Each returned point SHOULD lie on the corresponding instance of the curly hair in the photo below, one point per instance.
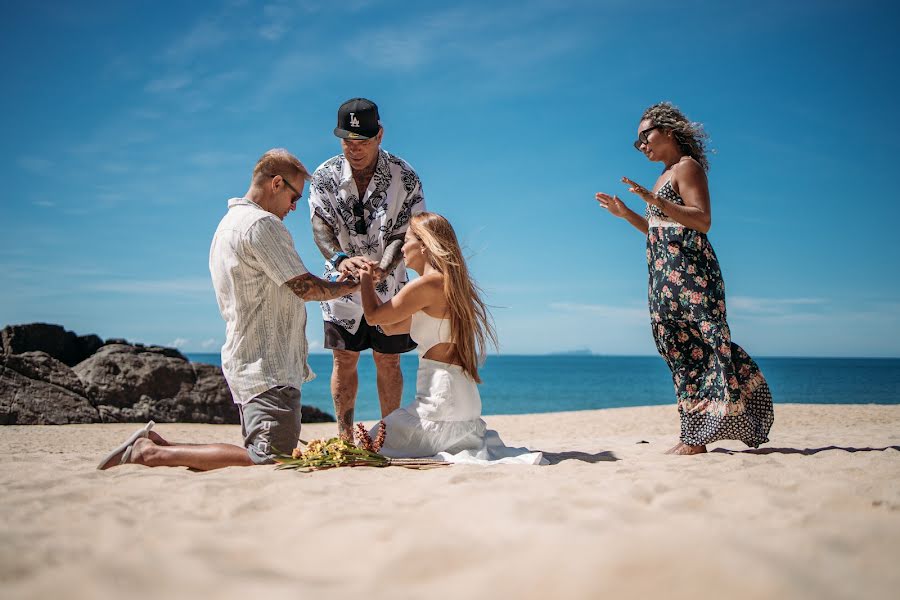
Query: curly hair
(692, 139)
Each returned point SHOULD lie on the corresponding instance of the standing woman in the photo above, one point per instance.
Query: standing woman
(721, 393)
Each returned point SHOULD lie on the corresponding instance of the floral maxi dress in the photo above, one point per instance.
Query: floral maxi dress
(721, 392)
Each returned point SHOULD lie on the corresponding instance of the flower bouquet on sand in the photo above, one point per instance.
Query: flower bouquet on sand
(318, 455)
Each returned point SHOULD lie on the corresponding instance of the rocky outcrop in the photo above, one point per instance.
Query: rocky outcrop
(311, 414)
(37, 389)
(119, 382)
(119, 375)
(62, 345)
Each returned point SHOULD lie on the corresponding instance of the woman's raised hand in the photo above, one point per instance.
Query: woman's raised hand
(636, 188)
(615, 206)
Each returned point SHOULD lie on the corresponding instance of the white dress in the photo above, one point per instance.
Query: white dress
(444, 421)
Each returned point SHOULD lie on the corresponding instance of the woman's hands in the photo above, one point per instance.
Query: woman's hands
(641, 192)
(615, 206)
(350, 268)
(367, 275)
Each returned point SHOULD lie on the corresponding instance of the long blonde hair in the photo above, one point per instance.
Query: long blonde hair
(471, 325)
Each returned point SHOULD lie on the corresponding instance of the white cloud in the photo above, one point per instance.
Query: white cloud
(44, 203)
(278, 22)
(206, 35)
(604, 310)
(495, 40)
(118, 168)
(218, 159)
(147, 113)
(392, 52)
(180, 286)
(209, 344)
(170, 83)
(179, 343)
(744, 307)
(773, 306)
(273, 31)
(34, 164)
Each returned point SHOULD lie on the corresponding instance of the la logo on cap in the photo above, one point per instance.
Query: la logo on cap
(358, 119)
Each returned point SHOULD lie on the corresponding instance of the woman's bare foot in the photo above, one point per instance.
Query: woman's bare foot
(674, 449)
(686, 449)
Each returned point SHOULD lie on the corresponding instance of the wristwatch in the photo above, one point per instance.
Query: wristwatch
(336, 259)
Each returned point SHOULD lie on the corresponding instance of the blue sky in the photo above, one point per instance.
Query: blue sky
(127, 126)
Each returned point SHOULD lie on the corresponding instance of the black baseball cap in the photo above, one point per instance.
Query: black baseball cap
(357, 120)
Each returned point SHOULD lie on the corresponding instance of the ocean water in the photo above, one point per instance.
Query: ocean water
(535, 384)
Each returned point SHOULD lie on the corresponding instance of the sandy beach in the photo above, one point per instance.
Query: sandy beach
(815, 514)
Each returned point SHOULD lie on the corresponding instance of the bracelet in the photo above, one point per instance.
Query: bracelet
(336, 259)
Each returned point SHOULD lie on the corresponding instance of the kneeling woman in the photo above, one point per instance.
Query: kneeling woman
(445, 316)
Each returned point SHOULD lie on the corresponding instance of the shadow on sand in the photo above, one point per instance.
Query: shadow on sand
(803, 451)
(557, 457)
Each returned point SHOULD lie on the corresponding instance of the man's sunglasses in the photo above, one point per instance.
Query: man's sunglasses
(292, 188)
(359, 223)
(642, 137)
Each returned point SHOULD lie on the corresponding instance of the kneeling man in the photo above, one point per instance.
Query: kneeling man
(261, 286)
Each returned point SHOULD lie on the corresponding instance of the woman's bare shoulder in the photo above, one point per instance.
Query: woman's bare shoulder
(427, 284)
(687, 171)
(688, 167)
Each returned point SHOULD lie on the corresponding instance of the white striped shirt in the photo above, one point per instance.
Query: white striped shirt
(251, 257)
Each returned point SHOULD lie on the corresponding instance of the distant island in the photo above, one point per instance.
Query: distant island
(577, 352)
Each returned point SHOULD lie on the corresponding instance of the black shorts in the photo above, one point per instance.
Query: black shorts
(367, 336)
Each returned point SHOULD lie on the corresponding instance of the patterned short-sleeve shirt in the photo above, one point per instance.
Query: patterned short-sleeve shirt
(251, 257)
(364, 225)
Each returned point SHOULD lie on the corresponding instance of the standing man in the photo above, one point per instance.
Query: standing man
(360, 204)
(261, 286)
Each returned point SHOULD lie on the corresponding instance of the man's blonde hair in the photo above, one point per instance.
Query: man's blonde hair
(278, 161)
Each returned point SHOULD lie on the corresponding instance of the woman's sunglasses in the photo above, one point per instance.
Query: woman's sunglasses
(642, 137)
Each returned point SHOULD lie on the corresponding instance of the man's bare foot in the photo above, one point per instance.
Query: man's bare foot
(686, 449)
(139, 450)
(118, 455)
(157, 439)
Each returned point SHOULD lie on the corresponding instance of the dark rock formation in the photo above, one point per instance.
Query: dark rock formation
(62, 345)
(119, 375)
(118, 382)
(311, 414)
(37, 389)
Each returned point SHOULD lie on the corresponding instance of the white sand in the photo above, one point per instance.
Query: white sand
(614, 519)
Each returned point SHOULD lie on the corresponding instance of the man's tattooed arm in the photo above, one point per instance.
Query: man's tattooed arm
(309, 287)
(324, 236)
(392, 255)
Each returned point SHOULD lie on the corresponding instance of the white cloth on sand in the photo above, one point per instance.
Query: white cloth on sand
(444, 422)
